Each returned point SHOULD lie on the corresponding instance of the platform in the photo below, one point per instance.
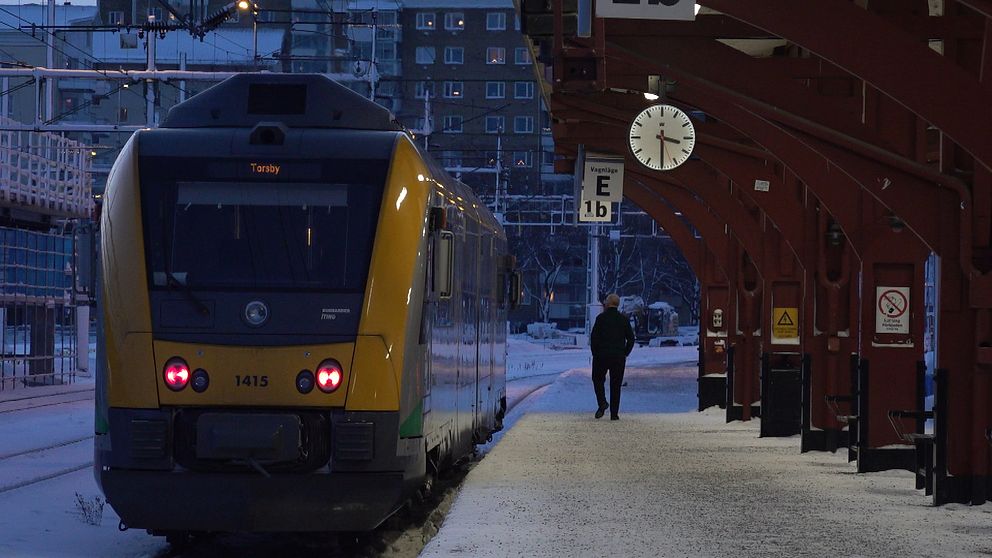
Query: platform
(665, 483)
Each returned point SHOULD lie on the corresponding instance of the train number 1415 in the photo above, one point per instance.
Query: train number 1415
(251, 381)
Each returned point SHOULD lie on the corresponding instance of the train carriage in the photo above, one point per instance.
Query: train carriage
(303, 317)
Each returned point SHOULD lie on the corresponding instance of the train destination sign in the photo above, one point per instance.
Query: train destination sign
(683, 10)
(892, 310)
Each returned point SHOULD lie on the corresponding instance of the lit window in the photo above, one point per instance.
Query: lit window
(521, 159)
(495, 55)
(454, 55)
(454, 21)
(523, 90)
(155, 14)
(496, 21)
(452, 124)
(454, 89)
(425, 21)
(495, 89)
(523, 124)
(425, 55)
(494, 124)
(491, 158)
(115, 18)
(521, 56)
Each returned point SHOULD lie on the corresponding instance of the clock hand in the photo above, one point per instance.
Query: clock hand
(672, 140)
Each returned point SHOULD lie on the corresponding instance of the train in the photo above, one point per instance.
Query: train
(303, 318)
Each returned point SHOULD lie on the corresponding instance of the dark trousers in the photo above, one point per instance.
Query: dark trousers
(614, 365)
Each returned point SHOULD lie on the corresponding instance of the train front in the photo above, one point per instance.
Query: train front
(260, 277)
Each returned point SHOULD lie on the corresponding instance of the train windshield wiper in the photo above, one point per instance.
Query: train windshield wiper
(173, 282)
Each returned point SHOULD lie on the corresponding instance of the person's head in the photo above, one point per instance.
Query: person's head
(612, 300)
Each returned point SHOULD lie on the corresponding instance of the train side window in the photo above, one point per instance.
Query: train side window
(515, 289)
(444, 249)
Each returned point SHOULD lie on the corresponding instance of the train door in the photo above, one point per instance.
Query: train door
(483, 398)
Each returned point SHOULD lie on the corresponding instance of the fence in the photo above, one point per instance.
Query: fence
(37, 309)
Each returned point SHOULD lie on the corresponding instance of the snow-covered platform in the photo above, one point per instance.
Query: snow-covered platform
(667, 481)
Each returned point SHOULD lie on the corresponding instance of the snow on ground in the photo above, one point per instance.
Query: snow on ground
(665, 482)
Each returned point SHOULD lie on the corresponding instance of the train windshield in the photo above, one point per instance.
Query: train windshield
(266, 236)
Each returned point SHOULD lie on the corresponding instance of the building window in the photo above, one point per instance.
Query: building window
(387, 25)
(425, 21)
(496, 21)
(521, 56)
(521, 159)
(451, 158)
(454, 55)
(454, 90)
(495, 55)
(155, 14)
(425, 55)
(494, 124)
(495, 89)
(454, 21)
(523, 125)
(122, 115)
(423, 88)
(115, 18)
(523, 90)
(516, 22)
(452, 124)
(547, 157)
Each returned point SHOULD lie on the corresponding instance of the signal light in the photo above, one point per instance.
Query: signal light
(176, 373)
(304, 381)
(329, 375)
(201, 380)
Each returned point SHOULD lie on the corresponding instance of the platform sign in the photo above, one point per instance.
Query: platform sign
(602, 178)
(785, 325)
(892, 310)
(595, 211)
(684, 10)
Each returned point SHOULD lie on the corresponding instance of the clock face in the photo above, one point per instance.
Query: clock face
(662, 137)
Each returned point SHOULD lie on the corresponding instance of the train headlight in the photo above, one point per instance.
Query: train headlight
(176, 373)
(256, 312)
(201, 380)
(329, 375)
(304, 381)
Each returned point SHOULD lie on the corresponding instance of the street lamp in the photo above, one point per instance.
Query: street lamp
(246, 5)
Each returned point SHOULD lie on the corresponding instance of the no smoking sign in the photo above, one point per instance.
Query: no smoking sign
(892, 310)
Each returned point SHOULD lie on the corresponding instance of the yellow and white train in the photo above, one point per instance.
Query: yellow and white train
(303, 316)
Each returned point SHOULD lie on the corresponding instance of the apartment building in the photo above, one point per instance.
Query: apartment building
(469, 90)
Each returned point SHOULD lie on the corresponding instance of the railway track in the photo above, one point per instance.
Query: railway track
(66, 439)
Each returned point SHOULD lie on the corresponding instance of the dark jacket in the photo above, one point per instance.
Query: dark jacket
(612, 334)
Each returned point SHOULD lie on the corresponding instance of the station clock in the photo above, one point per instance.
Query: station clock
(662, 137)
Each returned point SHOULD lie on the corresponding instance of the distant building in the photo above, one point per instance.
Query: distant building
(470, 58)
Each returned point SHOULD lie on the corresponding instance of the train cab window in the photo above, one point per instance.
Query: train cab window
(254, 236)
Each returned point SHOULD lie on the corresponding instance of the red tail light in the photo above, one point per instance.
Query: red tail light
(176, 373)
(329, 375)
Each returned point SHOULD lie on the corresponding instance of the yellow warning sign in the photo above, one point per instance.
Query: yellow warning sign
(785, 323)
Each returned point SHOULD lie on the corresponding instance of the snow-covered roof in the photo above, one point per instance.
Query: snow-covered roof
(661, 305)
(218, 47)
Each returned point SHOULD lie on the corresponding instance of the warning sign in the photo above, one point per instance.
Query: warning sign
(785, 325)
(892, 310)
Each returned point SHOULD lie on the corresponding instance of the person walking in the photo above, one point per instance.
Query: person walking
(611, 341)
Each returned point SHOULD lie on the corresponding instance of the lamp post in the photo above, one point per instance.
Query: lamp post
(246, 6)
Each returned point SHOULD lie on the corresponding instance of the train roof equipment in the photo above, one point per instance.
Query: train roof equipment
(293, 100)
